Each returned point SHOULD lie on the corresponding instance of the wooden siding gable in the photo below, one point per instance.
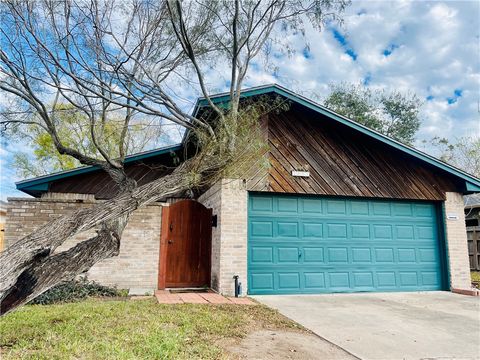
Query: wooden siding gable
(470, 182)
(342, 162)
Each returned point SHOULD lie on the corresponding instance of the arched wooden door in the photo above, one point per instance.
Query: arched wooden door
(185, 245)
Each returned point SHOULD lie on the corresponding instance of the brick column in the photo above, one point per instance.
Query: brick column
(456, 234)
(228, 199)
(233, 254)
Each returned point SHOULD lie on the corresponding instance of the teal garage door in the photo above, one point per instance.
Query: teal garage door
(300, 244)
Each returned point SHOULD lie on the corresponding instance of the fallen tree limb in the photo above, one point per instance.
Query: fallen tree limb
(23, 257)
(43, 272)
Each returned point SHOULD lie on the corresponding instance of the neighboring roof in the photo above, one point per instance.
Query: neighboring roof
(472, 201)
(472, 184)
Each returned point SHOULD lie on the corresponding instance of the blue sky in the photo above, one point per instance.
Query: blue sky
(429, 48)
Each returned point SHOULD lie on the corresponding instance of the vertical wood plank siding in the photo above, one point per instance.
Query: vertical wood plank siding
(102, 186)
(343, 162)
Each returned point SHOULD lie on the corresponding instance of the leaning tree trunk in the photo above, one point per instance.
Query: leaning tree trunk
(30, 267)
(50, 270)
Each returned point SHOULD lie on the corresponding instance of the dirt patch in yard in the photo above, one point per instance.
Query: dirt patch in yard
(283, 344)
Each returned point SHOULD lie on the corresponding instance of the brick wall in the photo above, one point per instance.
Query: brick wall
(136, 267)
(228, 199)
(456, 234)
(212, 198)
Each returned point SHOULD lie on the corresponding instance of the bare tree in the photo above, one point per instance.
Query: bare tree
(109, 59)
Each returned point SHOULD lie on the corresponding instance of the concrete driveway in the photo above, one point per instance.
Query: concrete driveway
(426, 325)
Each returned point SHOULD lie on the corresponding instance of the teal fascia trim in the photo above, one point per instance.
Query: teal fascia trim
(472, 187)
(38, 187)
(36, 183)
(31, 183)
(473, 181)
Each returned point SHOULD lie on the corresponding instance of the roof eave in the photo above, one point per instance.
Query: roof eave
(37, 185)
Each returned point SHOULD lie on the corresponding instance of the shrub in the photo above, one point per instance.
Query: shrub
(75, 290)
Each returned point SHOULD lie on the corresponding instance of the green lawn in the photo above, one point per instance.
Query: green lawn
(95, 329)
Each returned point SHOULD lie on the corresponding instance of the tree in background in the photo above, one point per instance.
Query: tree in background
(117, 60)
(73, 127)
(391, 113)
(463, 153)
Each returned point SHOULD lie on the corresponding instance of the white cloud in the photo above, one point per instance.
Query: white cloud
(434, 51)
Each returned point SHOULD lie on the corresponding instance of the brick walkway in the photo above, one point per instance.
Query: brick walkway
(166, 297)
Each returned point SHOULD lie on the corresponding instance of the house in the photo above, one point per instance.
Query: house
(472, 220)
(3, 216)
(472, 209)
(341, 208)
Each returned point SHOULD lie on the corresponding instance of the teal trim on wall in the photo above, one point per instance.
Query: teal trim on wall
(444, 248)
(315, 244)
(34, 189)
(471, 188)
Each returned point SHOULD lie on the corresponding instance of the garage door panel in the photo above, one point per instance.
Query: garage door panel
(360, 231)
(261, 204)
(386, 279)
(428, 255)
(358, 208)
(402, 209)
(339, 280)
(424, 210)
(337, 231)
(404, 232)
(430, 278)
(314, 280)
(261, 281)
(313, 255)
(261, 254)
(337, 255)
(336, 207)
(406, 255)
(382, 232)
(288, 281)
(426, 232)
(313, 245)
(313, 206)
(261, 228)
(287, 229)
(408, 278)
(381, 208)
(363, 279)
(361, 255)
(287, 205)
(312, 230)
(287, 255)
(384, 255)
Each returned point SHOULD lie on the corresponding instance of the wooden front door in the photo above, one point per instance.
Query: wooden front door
(185, 245)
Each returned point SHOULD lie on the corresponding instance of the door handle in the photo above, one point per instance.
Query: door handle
(170, 241)
(299, 254)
